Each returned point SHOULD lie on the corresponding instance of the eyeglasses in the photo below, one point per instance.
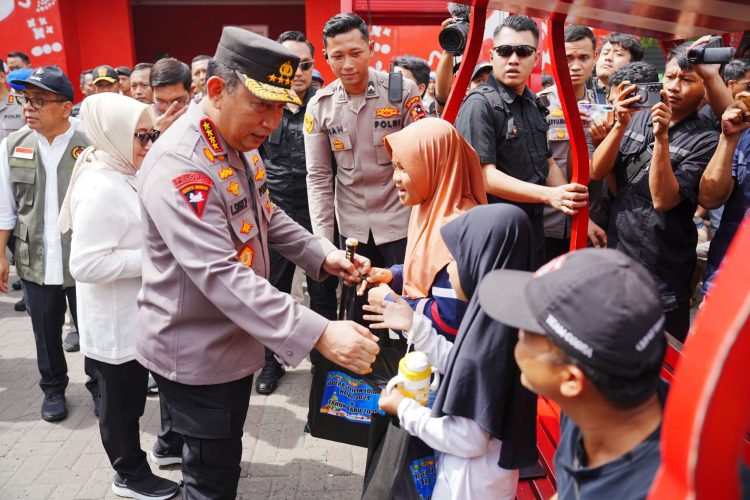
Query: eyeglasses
(34, 102)
(306, 65)
(508, 50)
(144, 137)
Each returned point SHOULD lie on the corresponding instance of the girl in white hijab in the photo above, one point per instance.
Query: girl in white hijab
(101, 207)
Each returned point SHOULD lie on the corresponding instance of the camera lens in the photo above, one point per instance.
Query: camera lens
(453, 37)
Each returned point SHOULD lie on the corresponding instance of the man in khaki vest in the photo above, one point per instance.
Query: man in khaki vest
(35, 168)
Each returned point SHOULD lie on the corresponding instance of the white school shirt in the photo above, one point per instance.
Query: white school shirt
(466, 455)
(50, 155)
(105, 260)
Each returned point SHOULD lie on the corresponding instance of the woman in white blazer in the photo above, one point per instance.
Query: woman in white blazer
(101, 207)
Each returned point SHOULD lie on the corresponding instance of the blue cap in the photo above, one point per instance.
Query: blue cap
(317, 76)
(18, 74)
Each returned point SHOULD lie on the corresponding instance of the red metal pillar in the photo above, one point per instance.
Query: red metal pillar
(708, 408)
(469, 60)
(579, 149)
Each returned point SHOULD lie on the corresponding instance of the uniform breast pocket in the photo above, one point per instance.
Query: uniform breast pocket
(380, 152)
(24, 180)
(341, 145)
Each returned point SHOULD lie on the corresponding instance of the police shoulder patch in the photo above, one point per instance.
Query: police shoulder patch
(208, 130)
(194, 188)
(411, 102)
(309, 123)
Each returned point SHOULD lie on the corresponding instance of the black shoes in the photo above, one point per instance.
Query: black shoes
(53, 407)
(162, 457)
(16, 285)
(269, 377)
(71, 342)
(150, 488)
(20, 306)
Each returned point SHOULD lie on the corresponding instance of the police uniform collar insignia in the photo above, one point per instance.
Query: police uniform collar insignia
(11, 98)
(212, 157)
(371, 92)
(341, 93)
(194, 188)
(234, 188)
(208, 130)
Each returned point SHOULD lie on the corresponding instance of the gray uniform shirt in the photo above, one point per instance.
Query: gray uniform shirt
(352, 131)
(206, 309)
(11, 116)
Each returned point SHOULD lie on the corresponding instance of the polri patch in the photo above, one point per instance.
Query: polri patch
(23, 153)
(246, 255)
(411, 102)
(416, 112)
(76, 152)
(194, 188)
(309, 123)
(208, 129)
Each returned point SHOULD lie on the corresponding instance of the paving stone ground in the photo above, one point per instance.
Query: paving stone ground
(66, 460)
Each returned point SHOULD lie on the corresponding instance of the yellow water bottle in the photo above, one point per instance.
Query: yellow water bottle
(413, 379)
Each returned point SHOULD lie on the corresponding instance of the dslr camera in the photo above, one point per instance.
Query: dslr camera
(712, 52)
(453, 37)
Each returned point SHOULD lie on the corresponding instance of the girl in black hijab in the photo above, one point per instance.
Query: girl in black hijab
(483, 422)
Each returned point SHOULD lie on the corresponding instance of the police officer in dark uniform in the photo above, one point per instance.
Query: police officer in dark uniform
(506, 127)
(284, 156)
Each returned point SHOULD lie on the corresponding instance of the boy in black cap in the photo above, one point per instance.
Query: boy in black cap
(591, 339)
(106, 79)
(35, 168)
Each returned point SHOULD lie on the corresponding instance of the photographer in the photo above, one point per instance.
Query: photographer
(737, 79)
(506, 127)
(453, 35)
(657, 157)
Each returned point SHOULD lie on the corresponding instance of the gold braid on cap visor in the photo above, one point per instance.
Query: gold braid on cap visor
(270, 92)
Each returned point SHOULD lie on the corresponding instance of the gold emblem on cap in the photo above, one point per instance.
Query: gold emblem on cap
(286, 70)
(102, 71)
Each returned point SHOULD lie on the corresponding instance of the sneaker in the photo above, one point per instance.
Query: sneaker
(269, 377)
(162, 457)
(152, 388)
(53, 407)
(150, 488)
(71, 342)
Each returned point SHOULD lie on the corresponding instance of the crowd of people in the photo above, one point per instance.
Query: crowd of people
(168, 210)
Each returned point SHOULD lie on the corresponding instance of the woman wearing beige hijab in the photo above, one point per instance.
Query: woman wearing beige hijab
(101, 207)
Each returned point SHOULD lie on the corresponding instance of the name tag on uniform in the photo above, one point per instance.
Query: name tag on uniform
(23, 153)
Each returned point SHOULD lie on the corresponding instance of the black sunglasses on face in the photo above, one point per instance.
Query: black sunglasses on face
(306, 65)
(144, 137)
(34, 102)
(507, 50)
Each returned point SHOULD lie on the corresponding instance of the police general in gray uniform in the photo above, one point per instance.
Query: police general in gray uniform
(347, 120)
(206, 309)
(11, 113)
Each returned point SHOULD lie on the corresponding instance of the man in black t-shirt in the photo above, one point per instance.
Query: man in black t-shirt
(508, 130)
(591, 339)
(654, 160)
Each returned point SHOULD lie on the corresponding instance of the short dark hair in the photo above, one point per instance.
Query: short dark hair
(621, 392)
(344, 23)
(547, 79)
(201, 57)
(736, 69)
(518, 22)
(140, 66)
(221, 70)
(169, 71)
(575, 33)
(21, 55)
(635, 72)
(627, 42)
(84, 73)
(418, 67)
(296, 36)
(679, 54)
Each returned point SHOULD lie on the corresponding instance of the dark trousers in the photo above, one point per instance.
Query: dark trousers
(385, 255)
(210, 419)
(123, 390)
(322, 294)
(677, 320)
(46, 304)
(555, 247)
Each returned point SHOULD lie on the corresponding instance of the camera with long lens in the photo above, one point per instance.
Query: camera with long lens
(453, 37)
(712, 52)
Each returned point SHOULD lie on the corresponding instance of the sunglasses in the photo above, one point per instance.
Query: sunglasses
(34, 102)
(306, 65)
(144, 137)
(508, 50)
